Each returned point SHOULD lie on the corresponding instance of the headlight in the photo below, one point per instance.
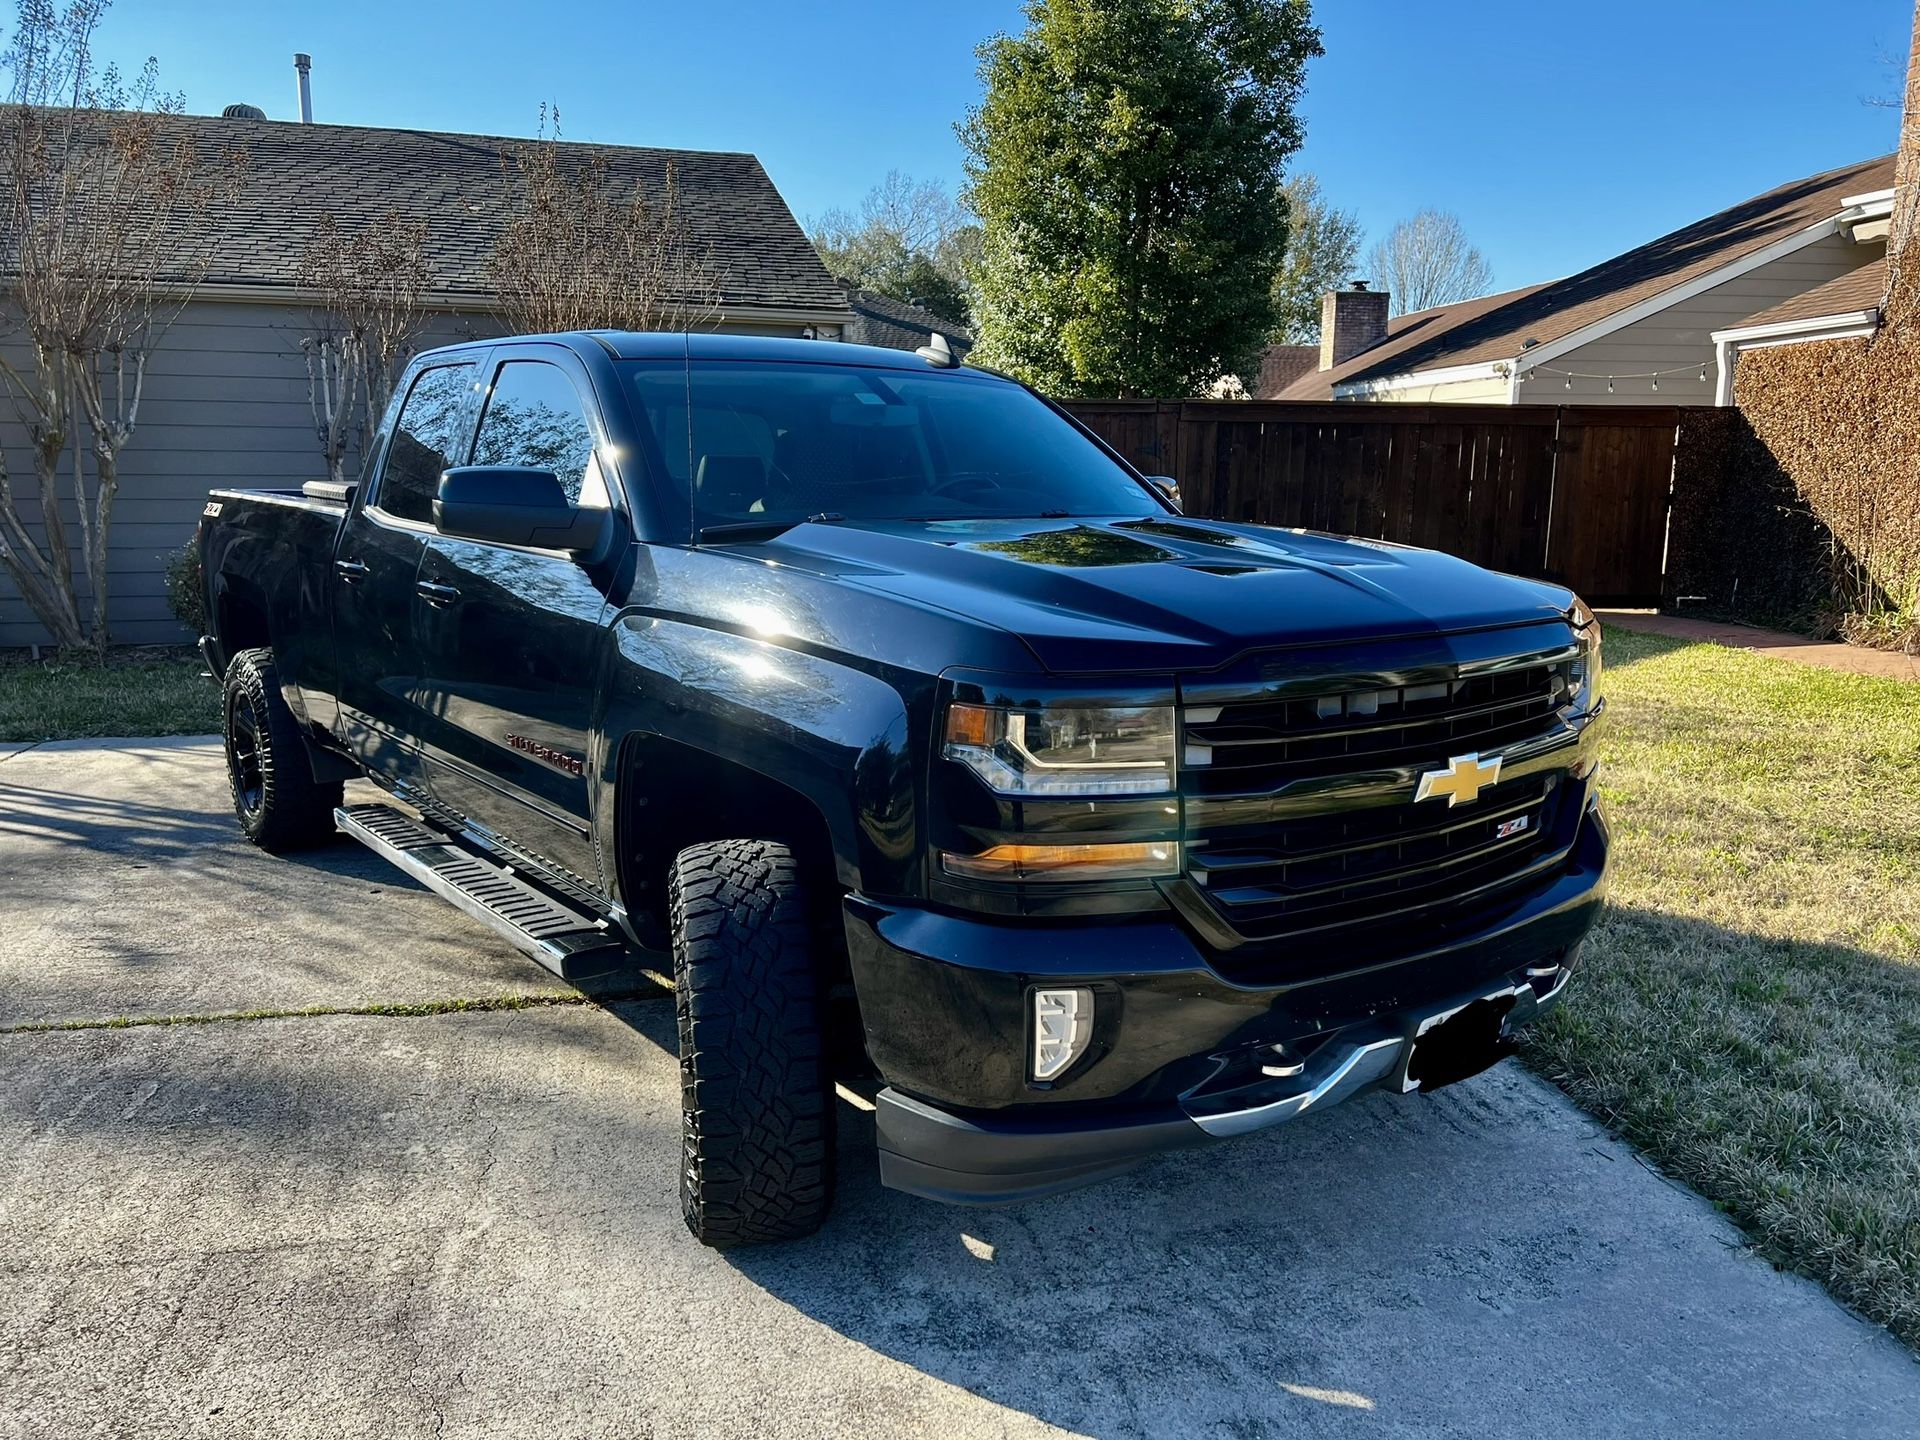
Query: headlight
(1586, 666)
(1064, 751)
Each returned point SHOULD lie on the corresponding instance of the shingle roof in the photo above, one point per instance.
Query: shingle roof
(295, 174)
(1280, 366)
(1405, 334)
(1857, 290)
(1495, 327)
(897, 324)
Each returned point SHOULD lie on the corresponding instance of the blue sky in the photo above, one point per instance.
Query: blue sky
(1561, 133)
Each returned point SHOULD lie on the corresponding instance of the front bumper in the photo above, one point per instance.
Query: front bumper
(1175, 1060)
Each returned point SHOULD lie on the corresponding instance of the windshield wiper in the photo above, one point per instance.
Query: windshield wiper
(762, 529)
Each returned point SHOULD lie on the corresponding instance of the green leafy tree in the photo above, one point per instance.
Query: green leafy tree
(1126, 167)
(1322, 245)
(907, 238)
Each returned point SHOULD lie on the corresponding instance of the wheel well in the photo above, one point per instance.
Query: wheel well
(240, 623)
(672, 795)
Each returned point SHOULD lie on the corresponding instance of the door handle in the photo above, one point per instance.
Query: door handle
(436, 594)
(351, 571)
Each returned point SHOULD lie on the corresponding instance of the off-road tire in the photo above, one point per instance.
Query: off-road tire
(756, 1106)
(280, 806)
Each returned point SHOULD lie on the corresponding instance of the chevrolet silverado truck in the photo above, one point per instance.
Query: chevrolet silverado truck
(963, 776)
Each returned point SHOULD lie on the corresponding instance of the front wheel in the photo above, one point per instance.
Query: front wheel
(756, 1103)
(279, 804)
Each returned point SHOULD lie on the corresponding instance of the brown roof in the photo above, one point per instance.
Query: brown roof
(898, 324)
(1280, 366)
(295, 175)
(1405, 334)
(1847, 294)
(1494, 328)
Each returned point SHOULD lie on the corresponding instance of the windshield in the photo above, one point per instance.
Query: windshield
(749, 442)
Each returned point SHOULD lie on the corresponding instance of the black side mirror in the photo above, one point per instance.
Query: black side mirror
(1167, 486)
(514, 505)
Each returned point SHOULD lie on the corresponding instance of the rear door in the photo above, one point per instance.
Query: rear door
(375, 566)
(510, 637)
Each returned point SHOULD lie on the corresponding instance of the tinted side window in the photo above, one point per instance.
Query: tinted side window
(424, 439)
(535, 418)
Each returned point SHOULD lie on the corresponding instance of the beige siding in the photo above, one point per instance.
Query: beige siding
(1492, 391)
(225, 405)
(1678, 336)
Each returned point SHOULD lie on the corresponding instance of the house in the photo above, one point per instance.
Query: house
(226, 400)
(1280, 366)
(897, 324)
(1634, 330)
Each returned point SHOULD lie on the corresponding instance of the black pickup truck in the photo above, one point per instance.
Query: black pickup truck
(954, 765)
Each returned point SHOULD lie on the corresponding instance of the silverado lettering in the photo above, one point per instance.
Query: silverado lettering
(953, 765)
(559, 759)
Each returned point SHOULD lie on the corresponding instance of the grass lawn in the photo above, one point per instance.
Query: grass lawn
(1748, 1012)
(144, 691)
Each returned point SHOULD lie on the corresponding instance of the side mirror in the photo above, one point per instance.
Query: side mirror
(513, 505)
(1167, 486)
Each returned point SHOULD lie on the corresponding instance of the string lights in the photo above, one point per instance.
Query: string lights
(1654, 377)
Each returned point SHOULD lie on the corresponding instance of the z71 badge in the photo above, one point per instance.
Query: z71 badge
(1511, 827)
(212, 510)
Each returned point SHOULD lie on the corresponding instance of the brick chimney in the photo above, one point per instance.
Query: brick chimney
(1351, 320)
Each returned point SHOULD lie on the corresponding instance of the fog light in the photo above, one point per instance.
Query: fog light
(1062, 1024)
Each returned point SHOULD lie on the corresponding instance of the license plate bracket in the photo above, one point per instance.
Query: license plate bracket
(1468, 1041)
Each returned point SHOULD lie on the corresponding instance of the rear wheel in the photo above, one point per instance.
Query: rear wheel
(279, 804)
(755, 1094)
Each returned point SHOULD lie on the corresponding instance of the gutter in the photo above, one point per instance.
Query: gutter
(1727, 344)
(465, 302)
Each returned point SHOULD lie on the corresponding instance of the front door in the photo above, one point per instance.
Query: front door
(374, 571)
(510, 637)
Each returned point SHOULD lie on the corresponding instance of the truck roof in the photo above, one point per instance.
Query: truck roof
(663, 345)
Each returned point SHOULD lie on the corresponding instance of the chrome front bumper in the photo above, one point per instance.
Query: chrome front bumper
(1362, 1057)
(994, 1159)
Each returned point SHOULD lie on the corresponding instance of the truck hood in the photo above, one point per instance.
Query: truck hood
(1167, 592)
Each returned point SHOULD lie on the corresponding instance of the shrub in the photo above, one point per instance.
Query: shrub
(186, 591)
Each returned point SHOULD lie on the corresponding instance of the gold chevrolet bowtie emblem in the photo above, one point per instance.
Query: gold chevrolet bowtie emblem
(1463, 780)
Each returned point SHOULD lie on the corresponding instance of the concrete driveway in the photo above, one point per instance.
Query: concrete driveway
(465, 1223)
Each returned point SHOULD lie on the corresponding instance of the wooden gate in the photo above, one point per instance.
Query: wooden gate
(1576, 494)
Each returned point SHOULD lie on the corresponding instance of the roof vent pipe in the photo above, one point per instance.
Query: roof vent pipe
(302, 64)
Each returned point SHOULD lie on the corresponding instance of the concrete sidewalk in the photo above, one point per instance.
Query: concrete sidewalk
(1779, 644)
(465, 1223)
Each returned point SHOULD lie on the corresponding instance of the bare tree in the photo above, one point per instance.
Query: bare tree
(582, 250)
(1322, 242)
(1428, 261)
(362, 333)
(100, 203)
(909, 239)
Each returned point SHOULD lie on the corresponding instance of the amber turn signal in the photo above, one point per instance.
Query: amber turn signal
(1128, 861)
(971, 725)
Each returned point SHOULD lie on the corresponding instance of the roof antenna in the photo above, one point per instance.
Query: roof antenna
(937, 352)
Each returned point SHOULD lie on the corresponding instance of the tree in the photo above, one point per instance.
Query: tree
(583, 249)
(1428, 261)
(909, 239)
(1322, 245)
(362, 333)
(1126, 166)
(102, 225)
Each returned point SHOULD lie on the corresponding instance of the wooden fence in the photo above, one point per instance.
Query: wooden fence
(1576, 494)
